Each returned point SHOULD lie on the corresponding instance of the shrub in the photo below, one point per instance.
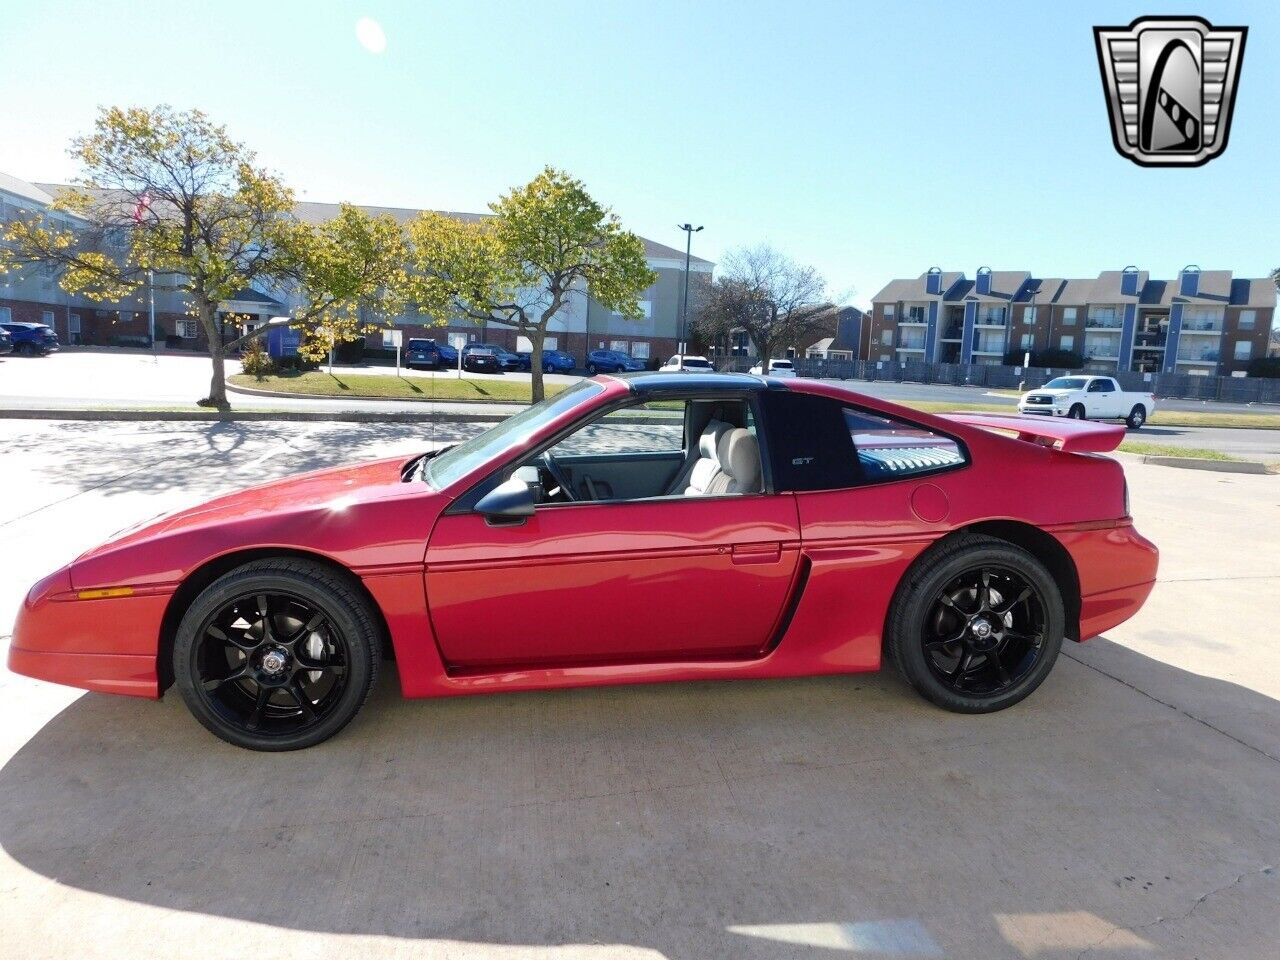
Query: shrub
(1268, 367)
(256, 362)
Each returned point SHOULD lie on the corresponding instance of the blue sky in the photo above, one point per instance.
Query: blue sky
(870, 140)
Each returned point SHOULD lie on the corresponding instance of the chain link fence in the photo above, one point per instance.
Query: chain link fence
(1178, 385)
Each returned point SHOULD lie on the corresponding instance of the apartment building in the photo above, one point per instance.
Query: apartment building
(1201, 322)
(583, 324)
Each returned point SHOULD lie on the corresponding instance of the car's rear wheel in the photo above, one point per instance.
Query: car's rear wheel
(977, 625)
(591, 369)
(1137, 417)
(276, 655)
(1076, 412)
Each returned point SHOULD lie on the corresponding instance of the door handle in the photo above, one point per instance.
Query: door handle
(757, 552)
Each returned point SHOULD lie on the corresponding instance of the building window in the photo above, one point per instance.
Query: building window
(886, 336)
(1069, 316)
(913, 314)
(1244, 349)
(885, 356)
(389, 339)
(549, 343)
(73, 324)
(646, 310)
(888, 311)
(6, 315)
(1027, 340)
(1067, 342)
(46, 317)
(618, 346)
(1029, 315)
(640, 349)
(1205, 319)
(1247, 319)
(188, 329)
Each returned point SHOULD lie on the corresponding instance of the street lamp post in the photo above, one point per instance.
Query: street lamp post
(689, 230)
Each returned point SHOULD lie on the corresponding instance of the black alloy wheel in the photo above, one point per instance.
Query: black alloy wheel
(976, 625)
(276, 655)
(985, 631)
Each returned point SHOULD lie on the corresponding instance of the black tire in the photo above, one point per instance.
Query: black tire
(1076, 412)
(591, 369)
(25, 350)
(918, 623)
(1137, 417)
(286, 717)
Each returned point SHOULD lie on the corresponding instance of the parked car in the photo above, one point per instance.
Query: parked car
(777, 368)
(480, 358)
(269, 609)
(31, 339)
(448, 355)
(553, 361)
(612, 361)
(695, 364)
(6, 342)
(506, 359)
(1089, 398)
(425, 354)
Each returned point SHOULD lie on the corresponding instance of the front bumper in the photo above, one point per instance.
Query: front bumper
(109, 645)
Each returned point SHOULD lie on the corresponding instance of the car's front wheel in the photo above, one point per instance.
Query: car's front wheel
(1137, 417)
(977, 625)
(1076, 412)
(276, 655)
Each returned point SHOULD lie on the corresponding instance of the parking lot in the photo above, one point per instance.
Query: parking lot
(1127, 809)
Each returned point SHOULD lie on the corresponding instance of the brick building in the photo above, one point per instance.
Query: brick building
(582, 325)
(1201, 322)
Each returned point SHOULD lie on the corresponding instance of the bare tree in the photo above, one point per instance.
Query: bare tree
(777, 302)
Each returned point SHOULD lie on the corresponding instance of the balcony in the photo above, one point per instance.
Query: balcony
(913, 320)
(1104, 322)
(1206, 327)
(954, 333)
(994, 318)
(1197, 356)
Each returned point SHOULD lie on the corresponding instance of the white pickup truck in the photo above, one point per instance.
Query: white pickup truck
(1088, 398)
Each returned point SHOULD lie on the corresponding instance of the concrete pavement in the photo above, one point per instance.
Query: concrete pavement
(1127, 809)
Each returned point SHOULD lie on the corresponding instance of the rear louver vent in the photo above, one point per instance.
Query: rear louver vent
(905, 460)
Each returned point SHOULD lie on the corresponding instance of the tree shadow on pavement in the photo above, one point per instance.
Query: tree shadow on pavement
(743, 820)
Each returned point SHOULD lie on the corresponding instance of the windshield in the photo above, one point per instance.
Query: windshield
(1066, 383)
(420, 344)
(697, 362)
(457, 462)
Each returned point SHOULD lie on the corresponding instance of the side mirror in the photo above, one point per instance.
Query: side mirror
(511, 500)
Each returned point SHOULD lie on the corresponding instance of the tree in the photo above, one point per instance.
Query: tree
(776, 301)
(167, 192)
(545, 242)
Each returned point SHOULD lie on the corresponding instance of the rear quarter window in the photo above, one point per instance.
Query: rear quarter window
(889, 449)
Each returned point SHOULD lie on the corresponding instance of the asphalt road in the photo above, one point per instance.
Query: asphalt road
(1126, 810)
(78, 379)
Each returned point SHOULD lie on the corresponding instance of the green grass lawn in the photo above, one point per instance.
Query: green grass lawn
(320, 384)
(1169, 450)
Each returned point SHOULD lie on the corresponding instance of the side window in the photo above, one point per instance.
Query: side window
(890, 449)
(653, 427)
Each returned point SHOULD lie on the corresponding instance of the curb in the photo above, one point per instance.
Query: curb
(1219, 466)
(235, 388)
(251, 416)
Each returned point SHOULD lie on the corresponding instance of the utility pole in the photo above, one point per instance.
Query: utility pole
(151, 312)
(689, 230)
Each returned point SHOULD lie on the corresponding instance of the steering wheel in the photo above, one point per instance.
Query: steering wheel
(557, 473)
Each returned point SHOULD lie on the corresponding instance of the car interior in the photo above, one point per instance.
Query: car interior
(694, 448)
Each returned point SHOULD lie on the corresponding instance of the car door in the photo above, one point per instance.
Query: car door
(1100, 399)
(656, 579)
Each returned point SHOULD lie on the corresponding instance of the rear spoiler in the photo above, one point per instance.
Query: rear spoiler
(1073, 436)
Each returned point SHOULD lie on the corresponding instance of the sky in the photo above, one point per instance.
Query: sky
(870, 140)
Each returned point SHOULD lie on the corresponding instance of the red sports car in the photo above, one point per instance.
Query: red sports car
(680, 526)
